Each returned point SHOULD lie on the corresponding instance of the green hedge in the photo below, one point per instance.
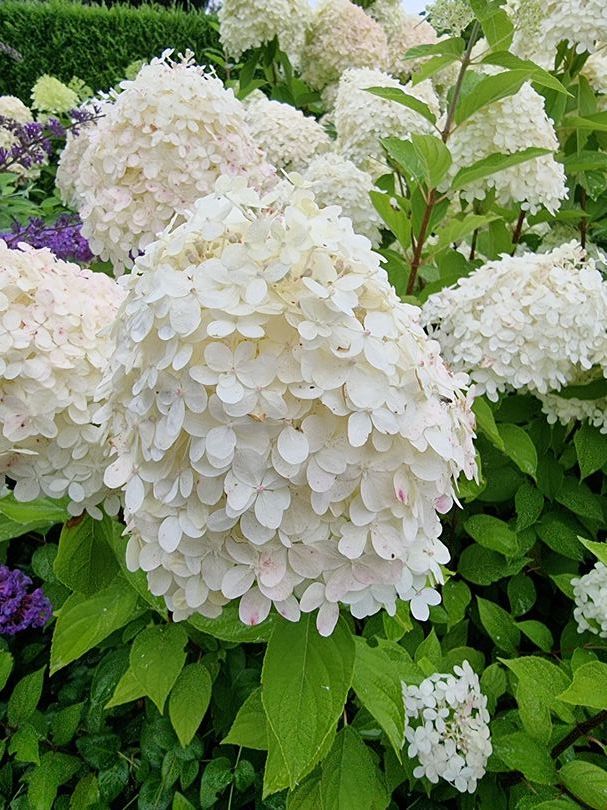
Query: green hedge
(95, 43)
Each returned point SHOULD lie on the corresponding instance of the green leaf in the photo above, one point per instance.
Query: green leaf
(492, 533)
(86, 793)
(6, 666)
(423, 158)
(489, 90)
(24, 744)
(593, 123)
(523, 753)
(492, 164)
(590, 447)
(65, 724)
(42, 511)
(597, 389)
(305, 796)
(432, 66)
(249, 728)
(538, 633)
(577, 497)
(55, 769)
(519, 447)
(499, 625)
(534, 713)
(544, 678)
(127, 689)
(560, 532)
(587, 782)
(589, 687)
(216, 777)
(483, 566)
(453, 46)
(598, 549)
(228, 627)
(189, 700)
(496, 24)
(529, 503)
(539, 75)
(585, 160)
(157, 657)
(85, 562)
(305, 681)
(400, 97)
(25, 696)
(521, 594)
(394, 218)
(83, 622)
(377, 683)
(485, 422)
(181, 803)
(350, 778)
(456, 598)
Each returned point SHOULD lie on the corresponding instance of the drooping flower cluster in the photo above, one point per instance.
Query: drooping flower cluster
(20, 608)
(286, 432)
(244, 25)
(362, 119)
(450, 16)
(335, 180)
(289, 138)
(448, 728)
(404, 31)
(507, 126)
(49, 95)
(63, 237)
(590, 594)
(532, 321)
(341, 36)
(159, 147)
(52, 356)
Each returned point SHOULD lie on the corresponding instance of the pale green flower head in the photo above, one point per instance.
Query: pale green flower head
(451, 16)
(49, 95)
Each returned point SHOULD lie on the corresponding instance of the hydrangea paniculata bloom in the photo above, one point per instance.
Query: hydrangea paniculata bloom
(52, 357)
(363, 119)
(21, 608)
(289, 138)
(244, 25)
(286, 431)
(532, 321)
(571, 409)
(159, 147)
(590, 594)
(76, 143)
(448, 728)
(450, 16)
(49, 95)
(404, 31)
(13, 108)
(341, 36)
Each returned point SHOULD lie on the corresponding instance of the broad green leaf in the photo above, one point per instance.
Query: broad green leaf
(127, 689)
(589, 687)
(25, 696)
(249, 728)
(521, 594)
(587, 782)
(533, 712)
(556, 804)
(306, 796)
(42, 511)
(55, 769)
(529, 503)
(483, 566)
(396, 626)
(546, 679)
(593, 123)
(496, 24)
(539, 75)
(350, 778)
(456, 598)
(216, 777)
(585, 160)
(590, 447)
(538, 633)
(489, 90)
(424, 158)
(492, 164)
(598, 549)
(519, 447)
(6, 666)
(157, 657)
(24, 744)
(64, 724)
(525, 754)
(457, 229)
(305, 681)
(377, 683)
(446, 47)
(499, 624)
(432, 66)
(579, 498)
(181, 803)
(592, 390)
(492, 533)
(85, 562)
(485, 422)
(400, 97)
(189, 700)
(83, 622)
(394, 218)
(560, 532)
(228, 627)
(86, 793)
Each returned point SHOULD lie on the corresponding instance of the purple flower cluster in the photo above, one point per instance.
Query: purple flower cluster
(19, 609)
(63, 237)
(33, 143)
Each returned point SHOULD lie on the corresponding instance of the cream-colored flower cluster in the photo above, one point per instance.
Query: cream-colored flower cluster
(341, 36)
(159, 147)
(590, 594)
(529, 322)
(53, 352)
(362, 119)
(404, 31)
(244, 25)
(287, 433)
(450, 16)
(289, 138)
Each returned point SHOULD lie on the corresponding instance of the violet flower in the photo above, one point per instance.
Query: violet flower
(63, 237)
(21, 609)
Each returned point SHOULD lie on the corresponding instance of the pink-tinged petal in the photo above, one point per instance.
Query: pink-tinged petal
(289, 609)
(326, 618)
(254, 607)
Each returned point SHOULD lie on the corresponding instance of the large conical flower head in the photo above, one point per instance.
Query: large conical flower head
(53, 353)
(403, 31)
(159, 147)
(244, 25)
(285, 431)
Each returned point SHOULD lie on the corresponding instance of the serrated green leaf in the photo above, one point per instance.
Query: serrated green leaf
(350, 778)
(589, 686)
(85, 562)
(485, 422)
(579, 499)
(249, 728)
(519, 447)
(489, 90)
(127, 689)
(492, 533)
(492, 164)
(55, 769)
(546, 679)
(587, 782)
(525, 754)
(529, 503)
(400, 97)
(189, 700)
(156, 660)
(25, 696)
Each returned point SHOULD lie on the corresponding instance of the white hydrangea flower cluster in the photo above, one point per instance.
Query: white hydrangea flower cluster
(404, 31)
(590, 594)
(566, 411)
(507, 126)
(363, 119)
(532, 321)
(52, 357)
(159, 147)
(448, 728)
(450, 16)
(595, 70)
(341, 36)
(289, 138)
(244, 25)
(76, 143)
(335, 180)
(286, 431)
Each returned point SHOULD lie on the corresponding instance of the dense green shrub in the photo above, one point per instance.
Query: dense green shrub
(95, 43)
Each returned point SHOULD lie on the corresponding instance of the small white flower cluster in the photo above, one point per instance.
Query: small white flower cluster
(450, 16)
(52, 357)
(287, 433)
(532, 321)
(507, 126)
(341, 36)
(566, 411)
(289, 138)
(595, 70)
(159, 147)
(335, 180)
(244, 25)
(404, 31)
(363, 119)
(448, 728)
(590, 593)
